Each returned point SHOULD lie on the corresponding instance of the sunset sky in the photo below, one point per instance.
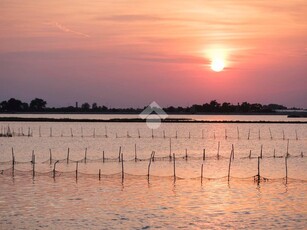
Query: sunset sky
(128, 53)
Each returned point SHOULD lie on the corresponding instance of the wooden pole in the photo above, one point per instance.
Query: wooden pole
(229, 165)
(13, 157)
(259, 135)
(50, 156)
(67, 158)
(288, 148)
(152, 133)
(33, 157)
(106, 131)
(50, 132)
(103, 156)
(33, 165)
(202, 134)
(233, 151)
(250, 154)
(271, 133)
(176, 134)
(148, 173)
(186, 154)
(119, 152)
(71, 133)
(249, 132)
(258, 175)
(204, 154)
(54, 168)
(274, 153)
(174, 156)
(99, 174)
(286, 164)
(77, 170)
(85, 155)
(135, 154)
(123, 173)
(261, 151)
(164, 134)
(139, 133)
(225, 134)
(39, 131)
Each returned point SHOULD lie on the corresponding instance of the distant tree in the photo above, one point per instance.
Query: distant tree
(14, 105)
(245, 107)
(3, 106)
(37, 104)
(276, 106)
(104, 108)
(25, 106)
(94, 107)
(85, 106)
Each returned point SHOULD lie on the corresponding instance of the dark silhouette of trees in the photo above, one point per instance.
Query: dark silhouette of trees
(13, 105)
(85, 107)
(38, 104)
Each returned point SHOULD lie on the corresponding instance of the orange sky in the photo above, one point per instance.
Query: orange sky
(130, 53)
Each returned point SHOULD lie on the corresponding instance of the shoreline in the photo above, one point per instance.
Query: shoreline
(137, 120)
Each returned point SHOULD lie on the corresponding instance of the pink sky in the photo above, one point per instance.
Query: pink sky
(130, 53)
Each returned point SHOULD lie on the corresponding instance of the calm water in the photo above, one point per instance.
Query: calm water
(161, 202)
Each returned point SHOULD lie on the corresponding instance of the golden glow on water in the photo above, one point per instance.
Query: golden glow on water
(90, 203)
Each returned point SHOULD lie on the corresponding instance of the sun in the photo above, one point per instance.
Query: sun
(217, 64)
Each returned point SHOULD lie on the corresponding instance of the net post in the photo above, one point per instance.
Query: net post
(67, 158)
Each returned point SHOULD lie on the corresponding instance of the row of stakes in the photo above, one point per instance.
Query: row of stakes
(170, 153)
(172, 157)
(9, 133)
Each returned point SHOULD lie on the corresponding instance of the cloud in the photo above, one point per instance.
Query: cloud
(130, 18)
(67, 30)
(181, 59)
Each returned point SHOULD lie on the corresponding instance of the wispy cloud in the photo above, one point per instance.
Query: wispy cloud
(67, 30)
(130, 18)
(175, 59)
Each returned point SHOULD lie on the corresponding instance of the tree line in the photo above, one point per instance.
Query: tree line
(40, 105)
